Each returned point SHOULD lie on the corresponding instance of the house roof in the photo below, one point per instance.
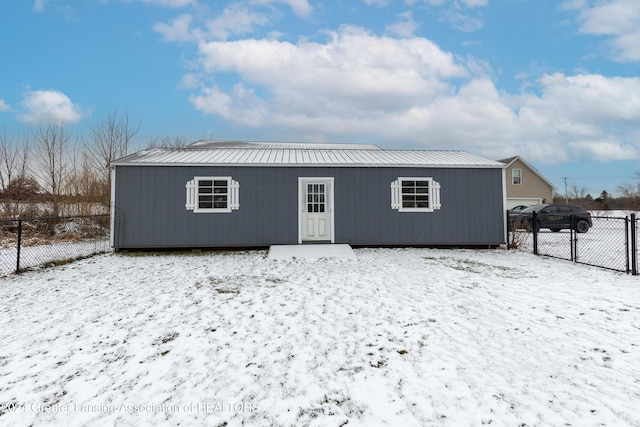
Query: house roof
(300, 154)
(510, 160)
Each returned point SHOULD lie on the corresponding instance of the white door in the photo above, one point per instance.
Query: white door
(316, 209)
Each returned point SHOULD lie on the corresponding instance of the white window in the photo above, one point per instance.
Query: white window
(516, 176)
(212, 194)
(415, 195)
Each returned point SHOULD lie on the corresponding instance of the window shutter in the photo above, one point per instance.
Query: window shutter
(395, 194)
(191, 195)
(435, 195)
(234, 195)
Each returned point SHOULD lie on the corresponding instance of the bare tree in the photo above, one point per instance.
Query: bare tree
(577, 192)
(628, 191)
(52, 143)
(83, 183)
(14, 160)
(111, 138)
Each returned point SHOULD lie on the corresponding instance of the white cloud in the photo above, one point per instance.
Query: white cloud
(170, 3)
(586, 116)
(592, 97)
(213, 101)
(351, 72)
(474, 117)
(179, 30)
(376, 2)
(462, 21)
(353, 83)
(39, 5)
(4, 106)
(190, 81)
(618, 19)
(605, 149)
(574, 4)
(456, 12)
(404, 26)
(410, 91)
(404, 88)
(475, 3)
(234, 20)
(50, 105)
(454, 3)
(429, 2)
(299, 7)
(611, 17)
(241, 106)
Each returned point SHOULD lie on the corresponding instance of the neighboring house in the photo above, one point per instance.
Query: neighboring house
(251, 194)
(525, 185)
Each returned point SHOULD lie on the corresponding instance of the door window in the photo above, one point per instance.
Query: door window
(316, 198)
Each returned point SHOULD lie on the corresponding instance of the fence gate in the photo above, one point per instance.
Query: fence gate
(610, 243)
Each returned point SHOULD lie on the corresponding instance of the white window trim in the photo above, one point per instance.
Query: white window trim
(513, 176)
(233, 196)
(434, 194)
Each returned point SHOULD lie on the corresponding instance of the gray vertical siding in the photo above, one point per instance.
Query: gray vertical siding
(151, 213)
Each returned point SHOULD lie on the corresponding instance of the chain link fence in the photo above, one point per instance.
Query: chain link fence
(38, 242)
(610, 243)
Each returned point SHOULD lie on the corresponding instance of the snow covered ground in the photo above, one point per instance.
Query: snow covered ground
(399, 337)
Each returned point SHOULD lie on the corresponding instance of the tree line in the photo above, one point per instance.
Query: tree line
(48, 171)
(627, 198)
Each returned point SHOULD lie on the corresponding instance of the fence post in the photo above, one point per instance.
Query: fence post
(634, 246)
(508, 227)
(534, 222)
(19, 245)
(627, 246)
(573, 236)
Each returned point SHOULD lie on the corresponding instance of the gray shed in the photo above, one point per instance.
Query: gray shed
(255, 194)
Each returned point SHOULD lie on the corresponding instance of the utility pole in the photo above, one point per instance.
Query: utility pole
(566, 197)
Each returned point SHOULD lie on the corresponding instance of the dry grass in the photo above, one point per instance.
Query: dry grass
(53, 231)
(519, 232)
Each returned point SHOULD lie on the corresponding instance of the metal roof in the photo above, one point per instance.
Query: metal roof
(281, 145)
(307, 157)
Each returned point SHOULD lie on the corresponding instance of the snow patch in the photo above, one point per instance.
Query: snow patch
(339, 251)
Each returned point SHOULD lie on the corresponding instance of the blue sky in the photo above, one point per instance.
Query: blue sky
(556, 82)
